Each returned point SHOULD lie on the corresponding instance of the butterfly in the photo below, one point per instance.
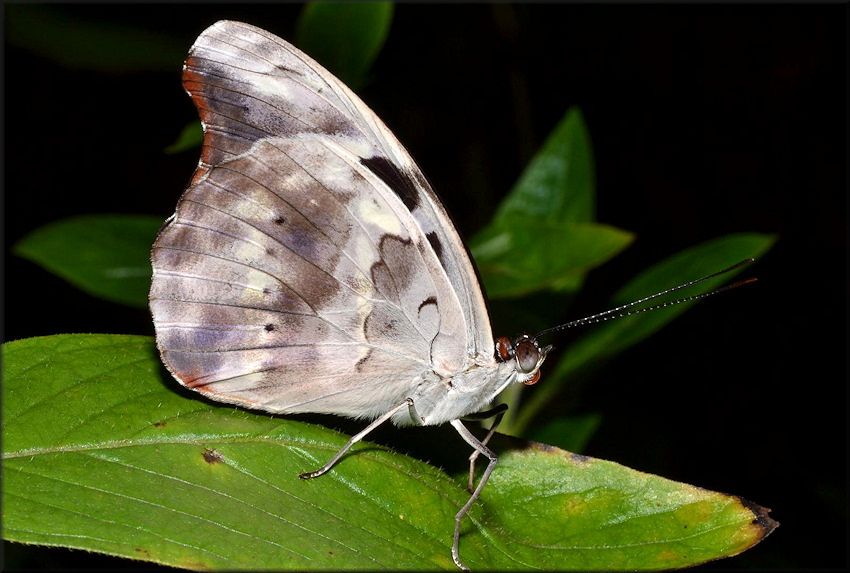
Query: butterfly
(310, 267)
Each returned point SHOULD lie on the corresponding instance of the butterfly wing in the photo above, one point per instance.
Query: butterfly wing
(309, 266)
(249, 84)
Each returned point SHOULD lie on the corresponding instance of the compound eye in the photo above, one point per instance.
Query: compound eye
(527, 356)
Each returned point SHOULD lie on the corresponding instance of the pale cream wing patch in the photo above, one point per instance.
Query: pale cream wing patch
(292, 279)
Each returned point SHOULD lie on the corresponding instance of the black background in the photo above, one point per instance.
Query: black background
(705, 120)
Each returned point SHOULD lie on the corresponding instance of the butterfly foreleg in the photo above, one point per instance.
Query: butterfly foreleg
(414, 415)
(498, 412)
(408, 403)
(479, 448)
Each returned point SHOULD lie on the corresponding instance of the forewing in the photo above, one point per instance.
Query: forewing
(249, 84)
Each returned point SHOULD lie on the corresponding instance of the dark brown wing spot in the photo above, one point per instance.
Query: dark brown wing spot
(435, 244)
(398, 182)
(363, 360)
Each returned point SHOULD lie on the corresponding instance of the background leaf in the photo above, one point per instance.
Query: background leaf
(540, 237)
(559, 184)
(191, 136)
(129, 467)
(105, 255)
(523, 256)
(609, 338)
(568, 432)
(344, 37)
(79, 44)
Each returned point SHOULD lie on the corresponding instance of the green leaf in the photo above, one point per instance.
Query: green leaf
(569, 432)
(82, 44)
(558, 185)
(526, 255)
(101, 453)
(701, 260)
(190, 137)
(542, 236)
(344, 37)
(107, 256)
(609, 338)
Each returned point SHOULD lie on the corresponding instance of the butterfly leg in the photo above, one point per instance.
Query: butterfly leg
(479, 447)
(356, 438)
(498, 412)
(414, 415)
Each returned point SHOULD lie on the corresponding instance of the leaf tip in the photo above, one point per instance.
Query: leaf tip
(761, 521)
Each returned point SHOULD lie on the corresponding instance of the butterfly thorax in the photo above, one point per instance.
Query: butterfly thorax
(438, 400)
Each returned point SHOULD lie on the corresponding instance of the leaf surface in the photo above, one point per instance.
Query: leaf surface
(610, 338)
(344, 37)
(107, 256)
(525, 256)
(559, 183)
(543, 236)
(103, 452)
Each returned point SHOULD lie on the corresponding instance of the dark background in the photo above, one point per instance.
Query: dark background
(705, 120)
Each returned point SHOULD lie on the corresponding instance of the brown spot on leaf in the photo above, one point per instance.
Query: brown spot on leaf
(760, 517)
(211, 456)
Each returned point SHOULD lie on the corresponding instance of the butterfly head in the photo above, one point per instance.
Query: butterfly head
(527, 355)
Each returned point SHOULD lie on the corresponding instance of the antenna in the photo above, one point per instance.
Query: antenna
(621, 312)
